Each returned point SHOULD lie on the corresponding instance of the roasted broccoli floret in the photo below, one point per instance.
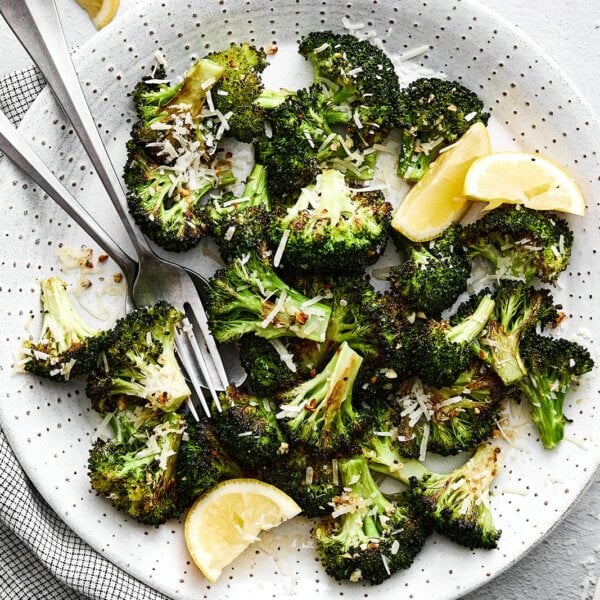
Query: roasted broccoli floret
(457, 503)
(359, 316)
(238, 88)
(443, 351)
(289, 165)
(517, 310)
(174, 158)
(266, 369)
(158, 102)
(332, 228)
(202, 462)
(368, 537)
(319, 412)
(249, 297)
(248, 429)
(239, 225)
(310, 481)
(360, 75)
(521, 243)
(433, 113)
(153, 92)
(302, 141)
(434, 274)
(274, 365)
(67, 345)
(166, 208)
(552, 365)
(454, 418)
(140, 366)
(136, 470)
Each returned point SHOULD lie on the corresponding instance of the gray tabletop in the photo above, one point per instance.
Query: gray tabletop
(566, 564)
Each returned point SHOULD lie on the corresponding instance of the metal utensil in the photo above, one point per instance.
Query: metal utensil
(37, 26)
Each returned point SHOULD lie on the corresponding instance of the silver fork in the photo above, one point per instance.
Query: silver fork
(37, 26)
(18, 150)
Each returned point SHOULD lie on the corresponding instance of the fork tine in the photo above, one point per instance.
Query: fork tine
(201, 319)
(188, 330)
(190, 370)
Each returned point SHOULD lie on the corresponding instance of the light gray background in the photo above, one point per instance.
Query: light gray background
(564, 565)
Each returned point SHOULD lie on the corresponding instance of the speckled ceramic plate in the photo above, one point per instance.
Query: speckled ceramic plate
(50, 427)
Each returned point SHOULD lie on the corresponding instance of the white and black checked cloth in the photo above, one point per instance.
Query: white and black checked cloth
(40, 557)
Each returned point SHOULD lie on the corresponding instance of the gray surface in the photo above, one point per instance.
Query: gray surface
(563, 566)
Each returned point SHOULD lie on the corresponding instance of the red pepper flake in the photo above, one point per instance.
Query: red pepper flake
(301, 317)
(103, 258)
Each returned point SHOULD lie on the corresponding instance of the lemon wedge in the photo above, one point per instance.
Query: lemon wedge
(226, 520)
(101, 12)
(521, 178)
(437, 200)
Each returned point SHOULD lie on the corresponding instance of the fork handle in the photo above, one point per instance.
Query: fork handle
(37, 26)
(18, 150)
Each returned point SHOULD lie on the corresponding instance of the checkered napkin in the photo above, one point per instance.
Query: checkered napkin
(40, 557)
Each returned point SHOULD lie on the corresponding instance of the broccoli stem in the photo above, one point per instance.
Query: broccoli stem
(201, 76)
(271, 99)
(255, 192)
(507, 361)
(546, 408)
(468, 329)
(331, 195)
(355, 474)
(325, 399)
(383, 458)
(61, 324)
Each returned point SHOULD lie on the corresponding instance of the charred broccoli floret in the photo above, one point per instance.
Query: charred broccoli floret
(457, 503)
(517, 310)
(173, 158)
(275, 365)
(238, 88)
(368, 537)
(360, 75)
(67, 345)
(454, 418)
(433, 113)
(159, 104)
(309, 480)
(248, 429)
(434, 274)
(249, 297)
(332, 227)
(136, 470)
(202, 462)
(552, 365)
(140, 366)
(443, 351)
(302, 141)
(266, 369)
(319, 412)
(167, 208)
(521, 243)
(239, 225)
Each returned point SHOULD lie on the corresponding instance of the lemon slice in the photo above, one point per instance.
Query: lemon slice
(437, 200)
(521, 178)
(226, 520)
(101, 11)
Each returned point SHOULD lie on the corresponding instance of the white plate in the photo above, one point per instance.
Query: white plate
(50, 427)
